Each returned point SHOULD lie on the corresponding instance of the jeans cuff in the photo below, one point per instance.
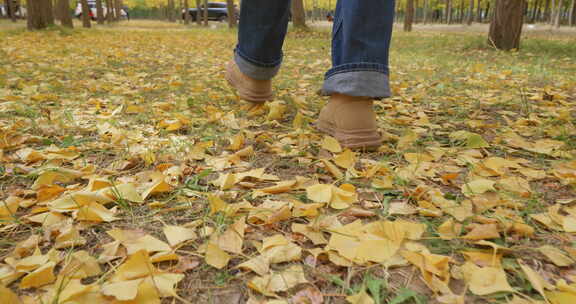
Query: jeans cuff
(372, 83)
(253, 69)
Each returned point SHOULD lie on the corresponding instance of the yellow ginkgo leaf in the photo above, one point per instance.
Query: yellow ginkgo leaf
(216, 204)
(138, 265)
(148, 243)
(485, 280)
(483, 232)
(69, 237)
(124, 191)
(216, 257)
(331, 144)
(535, 279)
(232, 239)
(122, 290)
(279, 281)
(449, 230)
(39, 277)
(259, 265)
(176, 234)
(7, 296)
(556, 256)
(320, 193)
(164, 282)
(346, 159)
(360, 298)
(478, 186)
(81, 265)
(236, 142)
(277, 109)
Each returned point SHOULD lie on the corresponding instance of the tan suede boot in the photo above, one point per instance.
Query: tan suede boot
(249, 89)
(351, 120)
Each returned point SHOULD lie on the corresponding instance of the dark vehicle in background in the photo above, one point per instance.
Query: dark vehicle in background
(216, 11)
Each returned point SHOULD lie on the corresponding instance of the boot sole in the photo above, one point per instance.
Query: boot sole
(357, 139)
(249, 97)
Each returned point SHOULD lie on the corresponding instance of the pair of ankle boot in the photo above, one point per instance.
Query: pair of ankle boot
(349, 119)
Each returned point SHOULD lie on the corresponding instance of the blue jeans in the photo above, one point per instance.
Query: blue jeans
(360, 44)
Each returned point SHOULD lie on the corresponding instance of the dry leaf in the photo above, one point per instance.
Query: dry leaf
(485, 280)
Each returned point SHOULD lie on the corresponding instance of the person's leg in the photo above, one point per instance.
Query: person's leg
(261, 33)
(258, 55)
(361, 41)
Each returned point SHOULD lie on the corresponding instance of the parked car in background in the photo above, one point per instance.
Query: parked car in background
(217, 11)
(94, 12)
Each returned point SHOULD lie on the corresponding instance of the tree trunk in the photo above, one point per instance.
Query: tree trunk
(479, 11)
(461, 12)
(85, 14)
(298, 13)
(10, 7)
(64, 13)
(547, 11)
(186, 12)
(198, 13)
(425, 12)
(99, 12)
(205, 9)
(471, 13)
(506, 25)
(231, 14)
(448, 11)
(109, 11)
(170, 10)
(117, 8)
(48, 12)
(558, 13)
(409, 15)
(35, 18)
(572, 14)
(532, 13)
(416, 14)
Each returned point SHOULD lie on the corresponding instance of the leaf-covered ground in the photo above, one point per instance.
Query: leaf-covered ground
(131, 173)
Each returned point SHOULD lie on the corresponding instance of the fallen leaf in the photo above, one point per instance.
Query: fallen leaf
(485, 280)
(216, 257)
(176, 234)
(360, 298)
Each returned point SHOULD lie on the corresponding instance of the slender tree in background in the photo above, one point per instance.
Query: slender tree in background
(85, 14)
(205, 9)
(231, 13)
(117, 9)
(198, 13)
(572, 14)
(64, 13)
(35, 19)
(425, 12)
(298, 13)
(448, 11)
(547, 13)
(109, 11)
(479, 11)
(10, 6)
(461, 11)
(470, 13)
(99, 12)
(409, 15)
(557, 13)
(186, 12)
(506, 25)
(170, 11)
